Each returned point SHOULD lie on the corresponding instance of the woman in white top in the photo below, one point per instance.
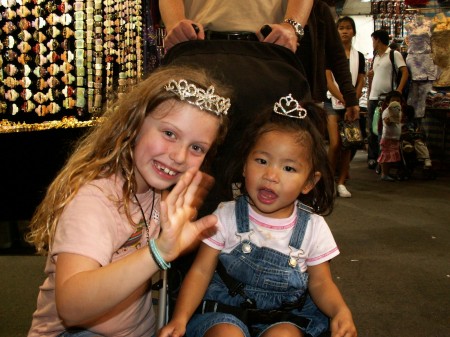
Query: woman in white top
(338, 156)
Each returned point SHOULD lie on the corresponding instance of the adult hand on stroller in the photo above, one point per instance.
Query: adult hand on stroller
(179, 209)
(184, 30)
(282, 34)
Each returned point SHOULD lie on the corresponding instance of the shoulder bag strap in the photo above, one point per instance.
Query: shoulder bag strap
(394, 71)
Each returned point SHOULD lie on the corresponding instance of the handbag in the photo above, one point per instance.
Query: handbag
(351, 136)
(376, 120)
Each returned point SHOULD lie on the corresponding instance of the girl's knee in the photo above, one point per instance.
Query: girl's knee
(224, 330)
(283, 330)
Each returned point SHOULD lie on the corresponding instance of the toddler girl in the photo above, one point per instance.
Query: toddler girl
(272, 249)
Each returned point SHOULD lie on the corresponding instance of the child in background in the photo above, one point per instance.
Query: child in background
(270, 241)
(103, 223)
(390, 138)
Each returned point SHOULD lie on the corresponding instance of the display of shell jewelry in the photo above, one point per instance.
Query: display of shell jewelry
(61, 58)
(7, 126)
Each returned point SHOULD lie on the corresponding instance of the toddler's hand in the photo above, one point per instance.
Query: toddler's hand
(172, 329)
(342, 325)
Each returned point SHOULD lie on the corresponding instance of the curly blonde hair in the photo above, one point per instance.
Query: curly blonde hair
(107, 148)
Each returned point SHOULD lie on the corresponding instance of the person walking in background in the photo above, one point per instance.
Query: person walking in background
(103, 223)
(271, 240)
(340, 157)
(381, 77)
(321, 48)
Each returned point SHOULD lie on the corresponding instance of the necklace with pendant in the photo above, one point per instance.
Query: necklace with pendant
(147, 231)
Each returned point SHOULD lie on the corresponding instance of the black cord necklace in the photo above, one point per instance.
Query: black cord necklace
(143, 214)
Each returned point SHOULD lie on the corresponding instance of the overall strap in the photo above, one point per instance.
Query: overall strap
(300, 229)
(243, 224)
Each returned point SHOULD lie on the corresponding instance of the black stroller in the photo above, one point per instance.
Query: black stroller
(250, 68)
(414, 153)
(413, 149)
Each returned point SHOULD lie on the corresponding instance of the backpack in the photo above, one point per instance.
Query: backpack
(396, 75)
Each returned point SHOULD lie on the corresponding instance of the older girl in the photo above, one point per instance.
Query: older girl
(103, 223)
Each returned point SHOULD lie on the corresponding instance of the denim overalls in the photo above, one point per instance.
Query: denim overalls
(269, 279)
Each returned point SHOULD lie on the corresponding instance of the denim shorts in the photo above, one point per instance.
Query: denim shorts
(318, 322)
(201, 323)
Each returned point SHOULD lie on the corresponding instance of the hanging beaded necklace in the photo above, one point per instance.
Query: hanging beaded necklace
(147, 230)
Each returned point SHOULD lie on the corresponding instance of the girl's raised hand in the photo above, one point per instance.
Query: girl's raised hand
(179, 231)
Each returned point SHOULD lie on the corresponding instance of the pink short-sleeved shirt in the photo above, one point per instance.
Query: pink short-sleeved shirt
(92, 225)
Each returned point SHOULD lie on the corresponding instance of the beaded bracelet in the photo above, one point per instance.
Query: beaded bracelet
(157, 256)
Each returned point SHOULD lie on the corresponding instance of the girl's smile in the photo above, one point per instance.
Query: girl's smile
(164, 171)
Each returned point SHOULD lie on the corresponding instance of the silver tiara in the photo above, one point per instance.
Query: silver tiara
(290, 107)
(203, 99)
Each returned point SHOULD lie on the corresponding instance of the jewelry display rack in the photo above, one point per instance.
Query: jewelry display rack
(61, 61)
(391, 16)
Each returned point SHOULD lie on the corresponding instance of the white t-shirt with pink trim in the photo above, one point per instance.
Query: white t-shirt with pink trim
(92, 225)
(318, 245)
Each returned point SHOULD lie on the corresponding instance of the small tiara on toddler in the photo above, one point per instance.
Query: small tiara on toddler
(290, 107)
(203, 99)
